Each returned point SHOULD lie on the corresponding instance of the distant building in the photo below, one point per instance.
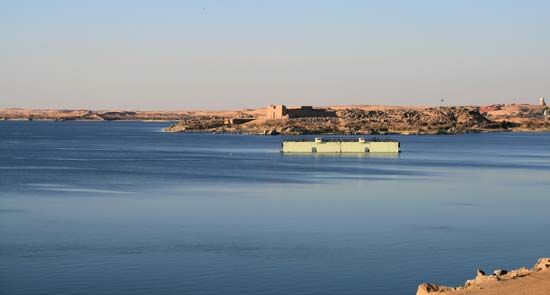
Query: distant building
(542, 102)
(282, 112)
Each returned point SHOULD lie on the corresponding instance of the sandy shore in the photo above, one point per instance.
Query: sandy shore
(534, 281)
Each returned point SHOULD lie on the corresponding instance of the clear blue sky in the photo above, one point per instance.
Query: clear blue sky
(231, 54)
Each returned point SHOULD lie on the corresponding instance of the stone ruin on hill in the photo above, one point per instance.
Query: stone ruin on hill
(282, 112)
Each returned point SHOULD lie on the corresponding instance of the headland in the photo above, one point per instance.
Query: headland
(534, 281)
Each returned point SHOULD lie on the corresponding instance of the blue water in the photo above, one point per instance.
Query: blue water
(122, 208)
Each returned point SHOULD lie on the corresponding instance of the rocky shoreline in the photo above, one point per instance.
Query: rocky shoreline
(534, 281)
(353, 120)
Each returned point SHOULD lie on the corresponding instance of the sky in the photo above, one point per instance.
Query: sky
(163, 55)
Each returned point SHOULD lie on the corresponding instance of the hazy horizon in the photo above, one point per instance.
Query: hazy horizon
(162, 55)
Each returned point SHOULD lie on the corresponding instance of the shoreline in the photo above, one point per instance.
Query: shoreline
(228, 132)
(332, 120)
(534, 281)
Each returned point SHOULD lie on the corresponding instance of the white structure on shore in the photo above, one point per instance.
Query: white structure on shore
(542, 102)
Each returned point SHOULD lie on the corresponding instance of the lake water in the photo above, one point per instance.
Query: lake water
(122, 208)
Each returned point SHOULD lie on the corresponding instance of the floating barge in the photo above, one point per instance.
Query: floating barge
(360, 145)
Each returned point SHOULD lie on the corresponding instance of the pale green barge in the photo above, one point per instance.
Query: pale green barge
(340, 146)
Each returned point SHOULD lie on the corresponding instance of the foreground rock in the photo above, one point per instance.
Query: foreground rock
(535, 281)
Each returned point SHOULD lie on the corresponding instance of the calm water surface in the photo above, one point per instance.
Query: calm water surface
(122, 208)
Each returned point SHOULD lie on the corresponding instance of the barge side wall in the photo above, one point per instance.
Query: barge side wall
(340, 147)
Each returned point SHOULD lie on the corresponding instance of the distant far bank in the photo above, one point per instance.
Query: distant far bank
(338, 119)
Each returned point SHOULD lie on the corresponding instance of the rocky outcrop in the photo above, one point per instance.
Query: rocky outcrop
(440, 120)
(266, 127)
(542, 264)
(526, 117)
(426, 288)
(418, 121)
(202, 123)
(533, 281)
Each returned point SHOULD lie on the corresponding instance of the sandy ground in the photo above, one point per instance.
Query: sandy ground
(535, 281)
(534, 284)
